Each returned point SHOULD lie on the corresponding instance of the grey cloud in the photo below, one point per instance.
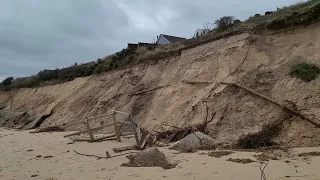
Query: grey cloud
(39, 34)
(50, 34)
(190, 14)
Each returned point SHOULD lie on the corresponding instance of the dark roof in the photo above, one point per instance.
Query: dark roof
(143, 43)
(173, 39)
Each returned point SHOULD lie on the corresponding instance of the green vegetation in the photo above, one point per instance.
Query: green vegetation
(305, 71)
(300, 14)
(296, 15)
(6, 83)
(225, 22)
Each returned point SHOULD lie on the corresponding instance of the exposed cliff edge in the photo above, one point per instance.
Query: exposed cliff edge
(178, 90)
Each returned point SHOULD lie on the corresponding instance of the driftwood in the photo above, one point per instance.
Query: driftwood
(262, 168)
(314, 122)
(90, 155)
(179, 133)
(144, 141)
(96, 140)
(169, 139)
(121, 149)
(101, 157)
(48, 129)
(108, 137)
(171, 126)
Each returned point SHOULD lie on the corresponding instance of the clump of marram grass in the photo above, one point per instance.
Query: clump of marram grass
(305, 71)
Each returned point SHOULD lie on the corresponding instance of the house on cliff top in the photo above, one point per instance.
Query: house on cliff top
(161, 39)
(166, 39)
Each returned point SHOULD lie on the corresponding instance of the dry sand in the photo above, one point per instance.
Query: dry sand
(19, 149)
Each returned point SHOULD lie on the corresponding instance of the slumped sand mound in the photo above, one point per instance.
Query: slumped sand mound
(196, 141)
(149, 158)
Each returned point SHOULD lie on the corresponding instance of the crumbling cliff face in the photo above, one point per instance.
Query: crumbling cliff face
(178, 90)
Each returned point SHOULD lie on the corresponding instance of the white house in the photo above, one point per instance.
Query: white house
(166, 39)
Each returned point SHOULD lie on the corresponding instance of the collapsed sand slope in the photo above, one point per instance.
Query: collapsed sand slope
(57, 160)
(184, 86)
(98, 94)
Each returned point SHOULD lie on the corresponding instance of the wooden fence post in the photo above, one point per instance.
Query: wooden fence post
(135, 130)
(89, 130)
(116, 127)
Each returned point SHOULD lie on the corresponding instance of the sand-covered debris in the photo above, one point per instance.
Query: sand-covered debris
(309, 154)
(241, 161)
(273, 155)
(48, 129)
(149, 158)
(196, 141)
(219, 154)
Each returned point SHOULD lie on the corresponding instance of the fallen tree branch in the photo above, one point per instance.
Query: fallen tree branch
(238, 67)
(262, 168)
(316, 123)
(90, 155)
(171, 126)
(144, 141)
(292, 177)
(180, 133)
(101, 157)
(148, 90)
(121, 149)
(196, 82)
(121, 154)
(48, 129)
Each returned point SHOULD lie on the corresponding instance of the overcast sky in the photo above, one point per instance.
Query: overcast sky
(49, 34)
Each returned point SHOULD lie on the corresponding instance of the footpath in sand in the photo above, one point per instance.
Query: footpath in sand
(49, 156)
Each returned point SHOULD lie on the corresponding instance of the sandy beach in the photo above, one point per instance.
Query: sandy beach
(49, 156)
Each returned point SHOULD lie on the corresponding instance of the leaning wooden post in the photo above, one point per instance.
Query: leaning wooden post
(135, 130)
(116, 127)
(89, 130)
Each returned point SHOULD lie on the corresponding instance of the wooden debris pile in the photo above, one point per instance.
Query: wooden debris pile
(48, 129)
(165, 137)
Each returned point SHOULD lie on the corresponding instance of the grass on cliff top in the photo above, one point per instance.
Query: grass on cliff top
(296, 15)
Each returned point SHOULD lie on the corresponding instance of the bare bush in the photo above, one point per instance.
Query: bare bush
(208, 26)
(225, 22)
